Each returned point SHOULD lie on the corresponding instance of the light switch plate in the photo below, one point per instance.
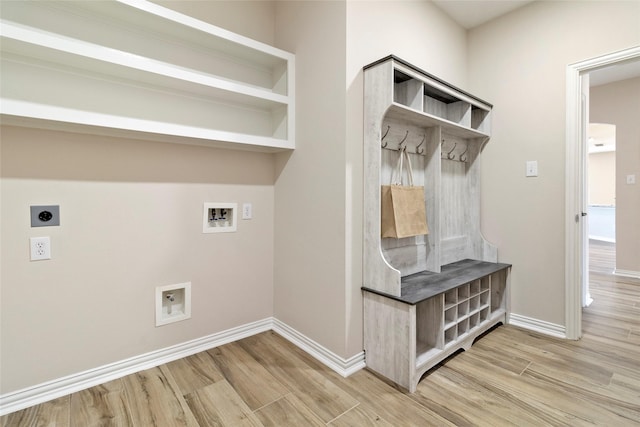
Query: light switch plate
(631, 179)
(247, 211)
(532, 168)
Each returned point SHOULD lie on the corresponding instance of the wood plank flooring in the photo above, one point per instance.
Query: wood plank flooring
(509, 377)
(602, 256)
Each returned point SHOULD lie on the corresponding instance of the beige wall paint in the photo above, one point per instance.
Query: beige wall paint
(131, 220)
(602, 178)
(519, 62)
(310, 185)
(420, 33)
(619, 103)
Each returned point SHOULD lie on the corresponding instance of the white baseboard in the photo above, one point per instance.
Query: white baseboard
(537, 325)
(50, 390)
(344, 367)
(627, 273)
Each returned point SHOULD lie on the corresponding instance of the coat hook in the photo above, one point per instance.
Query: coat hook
(403, 140)
(384, 136)
(463, 155)
(451, 156)
(418, 149)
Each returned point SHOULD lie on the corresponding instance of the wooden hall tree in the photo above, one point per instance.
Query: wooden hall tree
(425, 297)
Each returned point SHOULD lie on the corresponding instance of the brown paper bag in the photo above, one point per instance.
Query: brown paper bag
(403, 207)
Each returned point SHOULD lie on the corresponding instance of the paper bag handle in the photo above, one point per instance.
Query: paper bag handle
(398, 169)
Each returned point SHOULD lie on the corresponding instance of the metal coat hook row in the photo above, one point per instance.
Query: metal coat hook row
(450, 155)
(404, 143)
(384, 136)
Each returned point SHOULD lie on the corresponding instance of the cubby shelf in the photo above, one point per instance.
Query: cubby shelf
(132, 68)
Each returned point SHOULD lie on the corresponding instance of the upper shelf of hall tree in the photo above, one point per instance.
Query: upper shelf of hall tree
(423, 99)
(136, 69)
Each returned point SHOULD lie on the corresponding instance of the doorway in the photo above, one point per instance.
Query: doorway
(576, 237)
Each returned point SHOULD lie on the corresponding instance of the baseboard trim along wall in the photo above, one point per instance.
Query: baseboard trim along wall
(537, 325)
(50, 390)
(344, 367)
(627, 273)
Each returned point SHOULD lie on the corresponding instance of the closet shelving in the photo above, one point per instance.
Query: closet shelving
(426, 297)
(135, 69)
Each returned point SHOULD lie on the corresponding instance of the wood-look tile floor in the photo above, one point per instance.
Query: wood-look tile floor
(508, 377)
(602, 256)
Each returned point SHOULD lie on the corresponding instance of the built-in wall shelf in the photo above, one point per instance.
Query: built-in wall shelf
(132, 68)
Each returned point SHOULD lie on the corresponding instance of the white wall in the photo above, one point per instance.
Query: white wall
(518, 62)
(602, 178)
(131, 220)
(619, 103)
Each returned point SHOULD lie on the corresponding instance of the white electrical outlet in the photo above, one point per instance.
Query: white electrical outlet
(246, 211)
(40, 248)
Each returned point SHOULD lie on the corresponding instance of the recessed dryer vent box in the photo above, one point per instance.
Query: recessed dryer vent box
(219, 217)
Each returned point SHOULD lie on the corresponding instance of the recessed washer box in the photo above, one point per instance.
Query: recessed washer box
(219, 217)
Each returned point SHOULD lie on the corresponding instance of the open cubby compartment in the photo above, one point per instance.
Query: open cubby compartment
(463, 292)
(474, 303)
(445, 106)
(474, 287)
(429, 324)
(485, 283)
(463, 308)
(484, 298)
(450, 316)
(484, 314)
(463, 327)
(481, 120)
(450, 334)
(450, 298)
(474, 320)
(407, 91)
(498, 291)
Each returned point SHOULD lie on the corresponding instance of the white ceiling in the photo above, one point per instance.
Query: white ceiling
(471, 13)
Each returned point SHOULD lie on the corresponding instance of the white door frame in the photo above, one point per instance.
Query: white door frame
(575, 183)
